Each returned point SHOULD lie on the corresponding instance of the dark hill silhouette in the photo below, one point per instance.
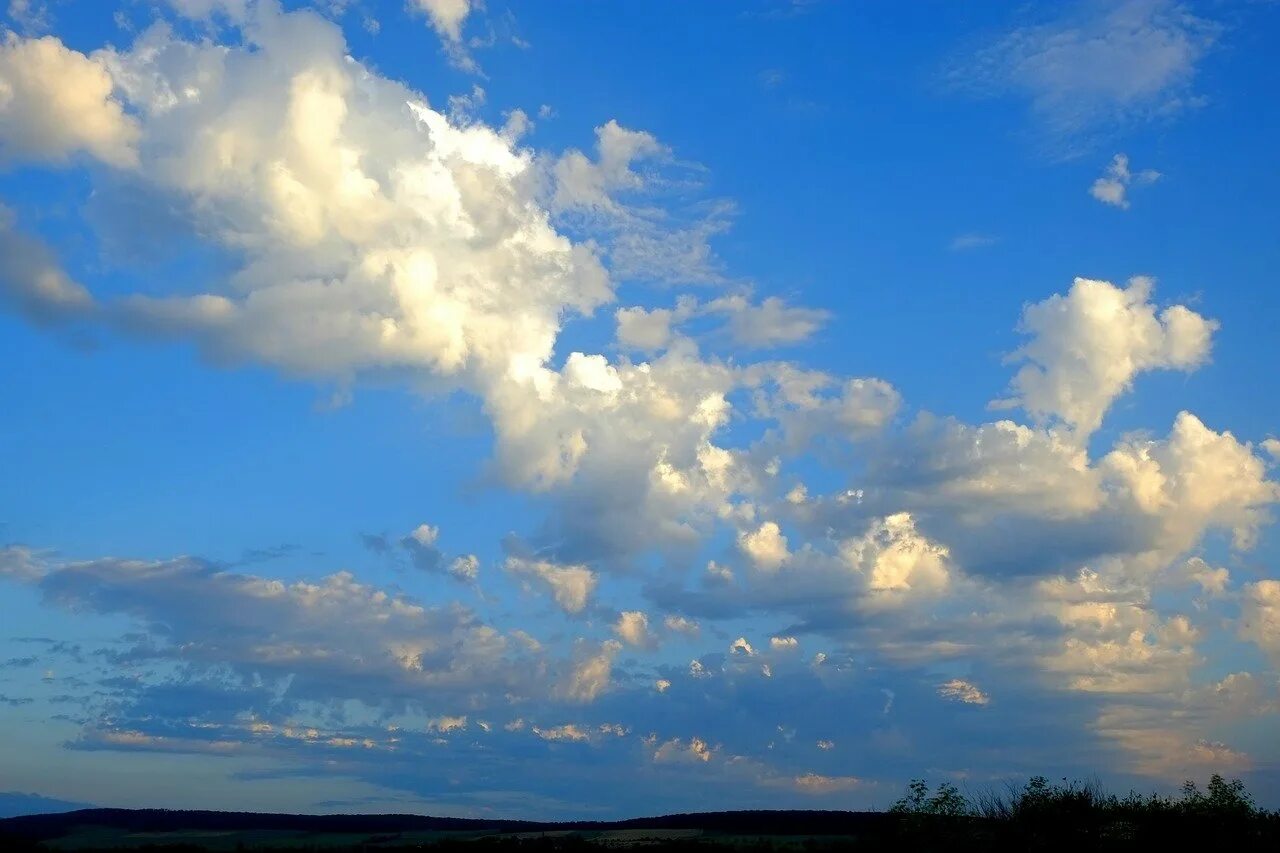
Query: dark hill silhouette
(48, 826)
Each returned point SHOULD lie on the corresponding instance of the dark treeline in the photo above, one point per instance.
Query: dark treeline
(1039, 816)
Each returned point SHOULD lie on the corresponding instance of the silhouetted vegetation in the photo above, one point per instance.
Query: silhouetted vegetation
(1038, 816)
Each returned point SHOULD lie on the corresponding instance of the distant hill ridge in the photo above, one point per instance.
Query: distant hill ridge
(46, 826)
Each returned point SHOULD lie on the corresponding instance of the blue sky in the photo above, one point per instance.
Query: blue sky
(578, 409)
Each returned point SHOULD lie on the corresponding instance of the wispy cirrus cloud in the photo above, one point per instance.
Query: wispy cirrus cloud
(1098, 67)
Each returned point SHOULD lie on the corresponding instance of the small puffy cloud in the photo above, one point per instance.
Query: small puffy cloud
(444, 725)
(425, 535)
(55, 102)
(677, 751)
(765, 547)
(959, 690)
(718, 573)
(424, 553)
(465, 568)
(571, 585)
(1087, 347)
(681, 625)
(446, 16)
(826, 745)
(784, 643)
(662, 685)
(1113, 187)
(740, 646)
(632, 628)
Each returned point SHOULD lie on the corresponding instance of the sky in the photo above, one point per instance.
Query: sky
(593, 410)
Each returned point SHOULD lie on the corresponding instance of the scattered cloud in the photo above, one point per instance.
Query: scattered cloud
(972, 240)
(1097, 67)
(1113, 187)
(959, 690)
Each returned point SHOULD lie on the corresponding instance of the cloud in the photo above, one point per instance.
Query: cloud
(681, 625)
(1099, 66)
(677, 751)
(959, 690)
(369, 237)
(772, 323)
(972, 240)
(632, 628)
(592, 672)
(764, 325)
(570, 586)
(816, 783)
(55, 102)
(447, 18)
(335, 638)
(1260, 616)
(1113, 187)
(765, 547)
(33, 282)
(1087, 347)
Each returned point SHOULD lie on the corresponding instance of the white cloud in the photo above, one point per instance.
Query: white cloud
(816, 783)
(335, 638)
(1194, 480)
(444, 725)
(465, 568)
(1113, 187)
(1212, 581)
(771, 323)
(1260, 616)
(1087, 347)
(765, 547)
(959, 690)
(894, 558)
(592, 672)
(571, 586)
(446, 16)
(571, 732)
(647, 331)
(681, 625)
(677, 751)
(55, 102)
(1099, 65)
(632, 628)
